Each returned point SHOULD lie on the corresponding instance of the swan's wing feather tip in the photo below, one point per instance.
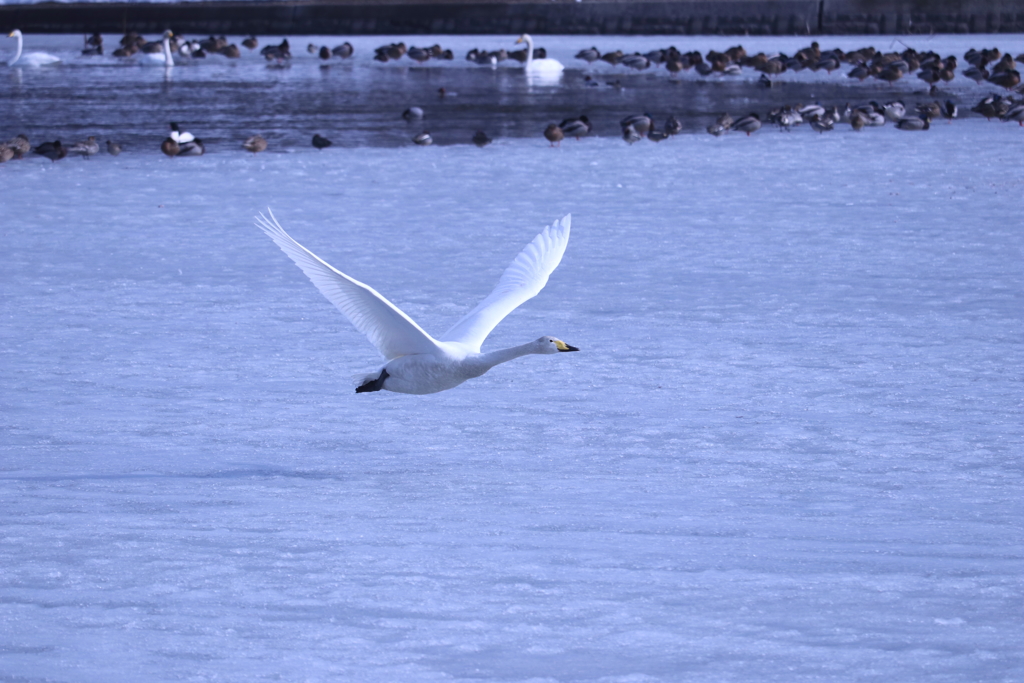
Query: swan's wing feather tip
(270, 225)
(525, 277)
(388, 328)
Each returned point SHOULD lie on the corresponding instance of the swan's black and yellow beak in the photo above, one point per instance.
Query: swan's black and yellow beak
(562, 346)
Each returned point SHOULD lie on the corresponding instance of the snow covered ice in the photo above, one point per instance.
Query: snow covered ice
(789, 449)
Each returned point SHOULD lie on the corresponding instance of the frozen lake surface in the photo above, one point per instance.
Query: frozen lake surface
(789, 449)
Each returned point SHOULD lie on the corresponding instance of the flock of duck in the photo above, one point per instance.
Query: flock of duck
(818, 117)
(19, 146)
(634, 128)
(162, 52)
(178, 143)
(983, 65)
(532, 58)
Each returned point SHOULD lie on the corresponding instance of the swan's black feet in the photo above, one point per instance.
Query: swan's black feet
(373, 385)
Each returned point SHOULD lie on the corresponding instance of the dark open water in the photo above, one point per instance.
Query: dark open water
(358, 102)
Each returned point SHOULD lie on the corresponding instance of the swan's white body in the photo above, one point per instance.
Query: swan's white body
(30, 58)
(162, 58)
(538, 66)
(416, 362)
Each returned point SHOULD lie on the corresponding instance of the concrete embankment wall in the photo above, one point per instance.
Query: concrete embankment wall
(681, 17)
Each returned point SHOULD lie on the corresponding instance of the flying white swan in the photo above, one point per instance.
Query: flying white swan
(416, 362)
(546, 65)
(30, 58)
(162, 58)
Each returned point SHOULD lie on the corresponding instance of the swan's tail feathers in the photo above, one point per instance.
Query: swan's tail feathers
(372, 382)
(361, 378)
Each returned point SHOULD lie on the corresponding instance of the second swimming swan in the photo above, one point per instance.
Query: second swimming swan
(416, 362)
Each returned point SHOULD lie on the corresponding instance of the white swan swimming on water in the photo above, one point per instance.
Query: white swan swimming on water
(545, 66)
(416, 362)
(162, 58)
(30, 58)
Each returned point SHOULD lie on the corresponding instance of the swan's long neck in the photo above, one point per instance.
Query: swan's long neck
(168, 59)
(17, 52)
(500, 356)
(529, 50)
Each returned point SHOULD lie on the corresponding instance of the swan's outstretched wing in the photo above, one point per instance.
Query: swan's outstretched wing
(520, 282)
(391, 331)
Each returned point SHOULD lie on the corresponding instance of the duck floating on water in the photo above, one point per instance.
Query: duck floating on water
(93, 46)
(277, 53)
(412, 114)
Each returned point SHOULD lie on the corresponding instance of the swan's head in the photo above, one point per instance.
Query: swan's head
(16, 33)
(525, 38)
(552, 345)
(168, 34)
